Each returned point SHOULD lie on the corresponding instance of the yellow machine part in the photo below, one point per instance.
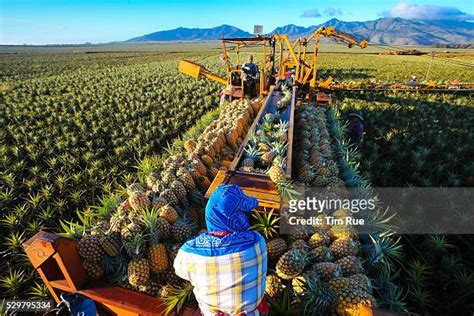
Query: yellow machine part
(195, 70)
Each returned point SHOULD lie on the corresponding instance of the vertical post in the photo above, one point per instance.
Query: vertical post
(315, 55)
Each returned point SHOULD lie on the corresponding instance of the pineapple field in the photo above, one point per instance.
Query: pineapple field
(115, 149)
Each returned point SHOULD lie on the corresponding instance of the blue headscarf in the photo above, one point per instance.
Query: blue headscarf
(227, 222)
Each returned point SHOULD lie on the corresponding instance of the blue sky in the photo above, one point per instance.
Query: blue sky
(80, 21)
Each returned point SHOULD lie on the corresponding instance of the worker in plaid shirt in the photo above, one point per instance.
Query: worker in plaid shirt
(226, 265)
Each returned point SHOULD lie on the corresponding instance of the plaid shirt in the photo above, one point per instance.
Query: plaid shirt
(232, 283)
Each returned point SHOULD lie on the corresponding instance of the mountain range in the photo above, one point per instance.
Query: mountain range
(391, 31)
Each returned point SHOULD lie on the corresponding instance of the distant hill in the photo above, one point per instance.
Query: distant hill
(397, 31)
(195, 34)
(392, 31)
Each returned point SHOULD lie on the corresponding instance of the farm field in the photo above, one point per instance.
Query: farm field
(78, 125)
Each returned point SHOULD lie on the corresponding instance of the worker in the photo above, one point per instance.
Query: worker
(251, 74)
(227, 265)
(356, 128)
(412, 81)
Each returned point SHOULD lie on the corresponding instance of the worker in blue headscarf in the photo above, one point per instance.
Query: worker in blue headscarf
(227, 265)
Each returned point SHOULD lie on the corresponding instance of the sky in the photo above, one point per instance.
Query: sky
(100, 21)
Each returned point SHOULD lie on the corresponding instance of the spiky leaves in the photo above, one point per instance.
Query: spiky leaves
(266, 223)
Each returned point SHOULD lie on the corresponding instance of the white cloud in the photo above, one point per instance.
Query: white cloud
(311, 14)
(333, 11)
(412, 11)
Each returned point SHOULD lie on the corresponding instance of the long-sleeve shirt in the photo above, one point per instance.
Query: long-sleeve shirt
(231, 283)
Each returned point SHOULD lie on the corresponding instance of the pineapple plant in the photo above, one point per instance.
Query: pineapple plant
(251, 156)
(291, 264)
(157, 254)
(138, 268)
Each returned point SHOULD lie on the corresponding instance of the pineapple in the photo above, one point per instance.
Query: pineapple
(276, 248)
(300, 282)
(139, 267)
(93, 269)
(295, 236)
(273, 285)
(350, 265)
(251, 155)
(152, 288)
(168, 213)
(111, 244)
(131, 230)
(179, 190)
(186, 179)
(181, 230)
(212, 172)
(159, 202)
(341, 231)
(327, 270)
(157, 254)
(268, 156)
(307, 175)
(276, 172)
(318, 239)
(299, 244)
(343, 247)
(118, 221)
(189, 145)
(169, 196)
(164, 227)
(291, 264)
(139, 200)
(89, 248)
(203, 183)
(351, 296)
(321, 254)
(134, 187)
(207, 160)
(363, 280)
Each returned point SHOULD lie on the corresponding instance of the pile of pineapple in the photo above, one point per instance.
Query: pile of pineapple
(316, 155)
(135, 242)
(321, 269)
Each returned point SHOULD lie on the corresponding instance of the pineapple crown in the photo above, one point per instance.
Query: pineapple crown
(252, 152)
(266, 223)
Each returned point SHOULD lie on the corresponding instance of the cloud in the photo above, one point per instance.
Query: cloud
(411, 11)
(311, 14)
(332, 12)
